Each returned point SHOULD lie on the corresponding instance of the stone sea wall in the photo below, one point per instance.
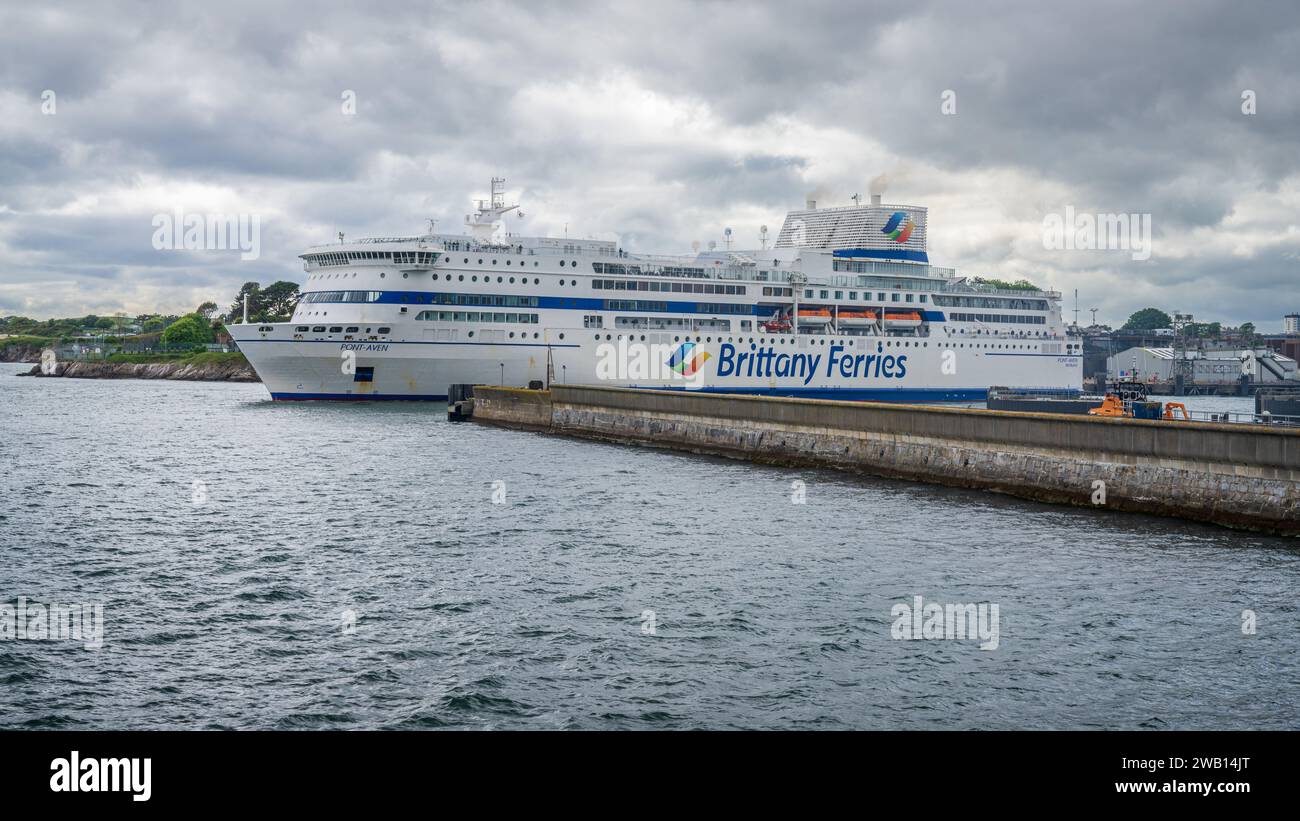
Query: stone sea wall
(1236, 475)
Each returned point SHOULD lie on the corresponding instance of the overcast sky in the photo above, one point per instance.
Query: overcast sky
(654, 123)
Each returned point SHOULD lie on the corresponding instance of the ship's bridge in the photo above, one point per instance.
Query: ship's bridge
(408, 254)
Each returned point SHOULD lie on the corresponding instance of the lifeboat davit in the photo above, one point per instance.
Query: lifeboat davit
(856, 319)
(814, 316)
(902, 319)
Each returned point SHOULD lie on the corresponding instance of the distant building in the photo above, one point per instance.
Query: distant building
(1291, 324)
(1285, 344)
(1207, 366)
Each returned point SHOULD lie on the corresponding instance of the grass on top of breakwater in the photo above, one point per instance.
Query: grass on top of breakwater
(203, 358)
(23, 339)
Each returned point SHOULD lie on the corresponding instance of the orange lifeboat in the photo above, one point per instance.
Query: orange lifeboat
(856, 319)
(814, 316)
(902, 319)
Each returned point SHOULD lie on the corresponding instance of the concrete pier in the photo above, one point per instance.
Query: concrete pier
(1242, 476)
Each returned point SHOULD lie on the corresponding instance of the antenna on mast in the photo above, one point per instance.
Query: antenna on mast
(726, 233)
(487, 221)
(762, 236)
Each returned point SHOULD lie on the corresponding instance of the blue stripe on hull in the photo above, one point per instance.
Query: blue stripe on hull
(360, 397)
(841, 394)
(854, 394)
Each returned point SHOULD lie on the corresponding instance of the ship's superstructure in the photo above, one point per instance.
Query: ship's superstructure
(844, 305)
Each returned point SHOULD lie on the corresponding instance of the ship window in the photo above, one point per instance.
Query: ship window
(561, 265)
(351, 329)
(364, 373)
(336, 329)
(385, 330)
(301, 328)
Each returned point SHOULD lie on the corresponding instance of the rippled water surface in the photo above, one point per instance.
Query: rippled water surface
(236, 611)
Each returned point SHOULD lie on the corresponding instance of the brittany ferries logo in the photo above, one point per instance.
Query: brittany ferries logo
(686, 360)
(892, 229)
(638, 363)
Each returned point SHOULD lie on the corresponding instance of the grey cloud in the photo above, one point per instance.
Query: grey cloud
(1123, 108)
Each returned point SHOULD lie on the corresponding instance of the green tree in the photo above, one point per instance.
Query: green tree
(253, 291)
(279, 301)
(1148, 319)
(1018, 285)
(190, 329)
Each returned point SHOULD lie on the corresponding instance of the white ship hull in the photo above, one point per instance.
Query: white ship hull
(843, 367)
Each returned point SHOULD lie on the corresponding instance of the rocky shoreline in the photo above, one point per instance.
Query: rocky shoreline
(20, 353)
(217, 372)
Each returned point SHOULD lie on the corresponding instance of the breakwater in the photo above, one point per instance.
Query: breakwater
(1235, 475)
(230, 370)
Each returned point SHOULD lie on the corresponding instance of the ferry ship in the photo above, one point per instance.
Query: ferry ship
(844, 305)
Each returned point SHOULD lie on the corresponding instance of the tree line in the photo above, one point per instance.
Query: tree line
(274, 303)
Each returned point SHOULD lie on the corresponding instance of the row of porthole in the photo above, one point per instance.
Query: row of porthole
(755, 340)
(522, 281)
(461, 278)
(573, 264)
(523, 335)
(889, 343)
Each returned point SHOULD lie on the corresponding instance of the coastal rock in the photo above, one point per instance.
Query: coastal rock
(20, 353)
(239, 371)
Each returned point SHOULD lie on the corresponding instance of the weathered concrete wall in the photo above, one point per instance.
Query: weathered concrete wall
(513, 407)
(1229, 474)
